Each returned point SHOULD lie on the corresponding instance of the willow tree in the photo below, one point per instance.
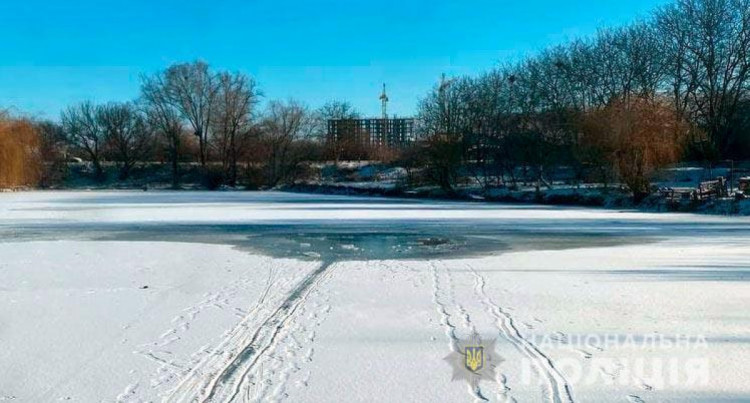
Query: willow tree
(638, 137)
(20, 161)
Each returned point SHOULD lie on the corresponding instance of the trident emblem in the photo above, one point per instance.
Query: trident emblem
(474, 358)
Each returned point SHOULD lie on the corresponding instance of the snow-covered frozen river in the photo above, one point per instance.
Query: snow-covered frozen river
(250, 296)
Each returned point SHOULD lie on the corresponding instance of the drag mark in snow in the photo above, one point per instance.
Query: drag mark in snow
(560, 391)
(190, 374)
(445, 317)
(292, 352)
(208, 358)
(237, 370)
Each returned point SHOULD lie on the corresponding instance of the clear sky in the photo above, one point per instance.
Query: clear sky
(54, 53)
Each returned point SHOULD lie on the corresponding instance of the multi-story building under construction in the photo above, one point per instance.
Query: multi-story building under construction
(372, 132)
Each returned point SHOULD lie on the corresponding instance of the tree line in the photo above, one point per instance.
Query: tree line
(186, 114)
(615, 106)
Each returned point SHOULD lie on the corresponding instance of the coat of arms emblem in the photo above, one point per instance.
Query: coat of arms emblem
(474, 360)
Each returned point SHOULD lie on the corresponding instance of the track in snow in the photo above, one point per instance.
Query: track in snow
(560, 391)
(443, 305)
(233, 376)
(252, 343)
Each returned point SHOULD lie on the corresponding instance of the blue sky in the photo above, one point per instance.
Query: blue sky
(54, 53)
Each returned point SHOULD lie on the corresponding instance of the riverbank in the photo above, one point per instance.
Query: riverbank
(586, 196)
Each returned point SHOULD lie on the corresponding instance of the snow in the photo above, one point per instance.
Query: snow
(690, 176)
(244, 296)
(76, 322)
(244, 207)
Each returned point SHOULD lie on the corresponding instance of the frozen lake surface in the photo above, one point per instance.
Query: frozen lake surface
(249, 296)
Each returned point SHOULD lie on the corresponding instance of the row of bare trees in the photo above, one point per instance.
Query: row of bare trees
(185, 114)
(190, 103)
(618, 104)
(217, 108)
(115, 130)
(615, 106)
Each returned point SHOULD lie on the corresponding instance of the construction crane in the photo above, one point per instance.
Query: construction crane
(384, 103)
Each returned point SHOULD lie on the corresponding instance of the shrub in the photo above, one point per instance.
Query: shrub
(20, 160)
(212, 178)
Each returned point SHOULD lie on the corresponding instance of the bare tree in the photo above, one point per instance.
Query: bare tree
(337, 109)
(163, 118)
(52, 151)
(236, 96)
(646, 59)
(127, 135)
(85, 132)
(283, 124)
(710, 61)
(192, 89)
(446, 125)
(346, 142)
(681, 72)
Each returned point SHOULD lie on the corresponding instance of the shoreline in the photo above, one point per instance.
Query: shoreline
(610, 199)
